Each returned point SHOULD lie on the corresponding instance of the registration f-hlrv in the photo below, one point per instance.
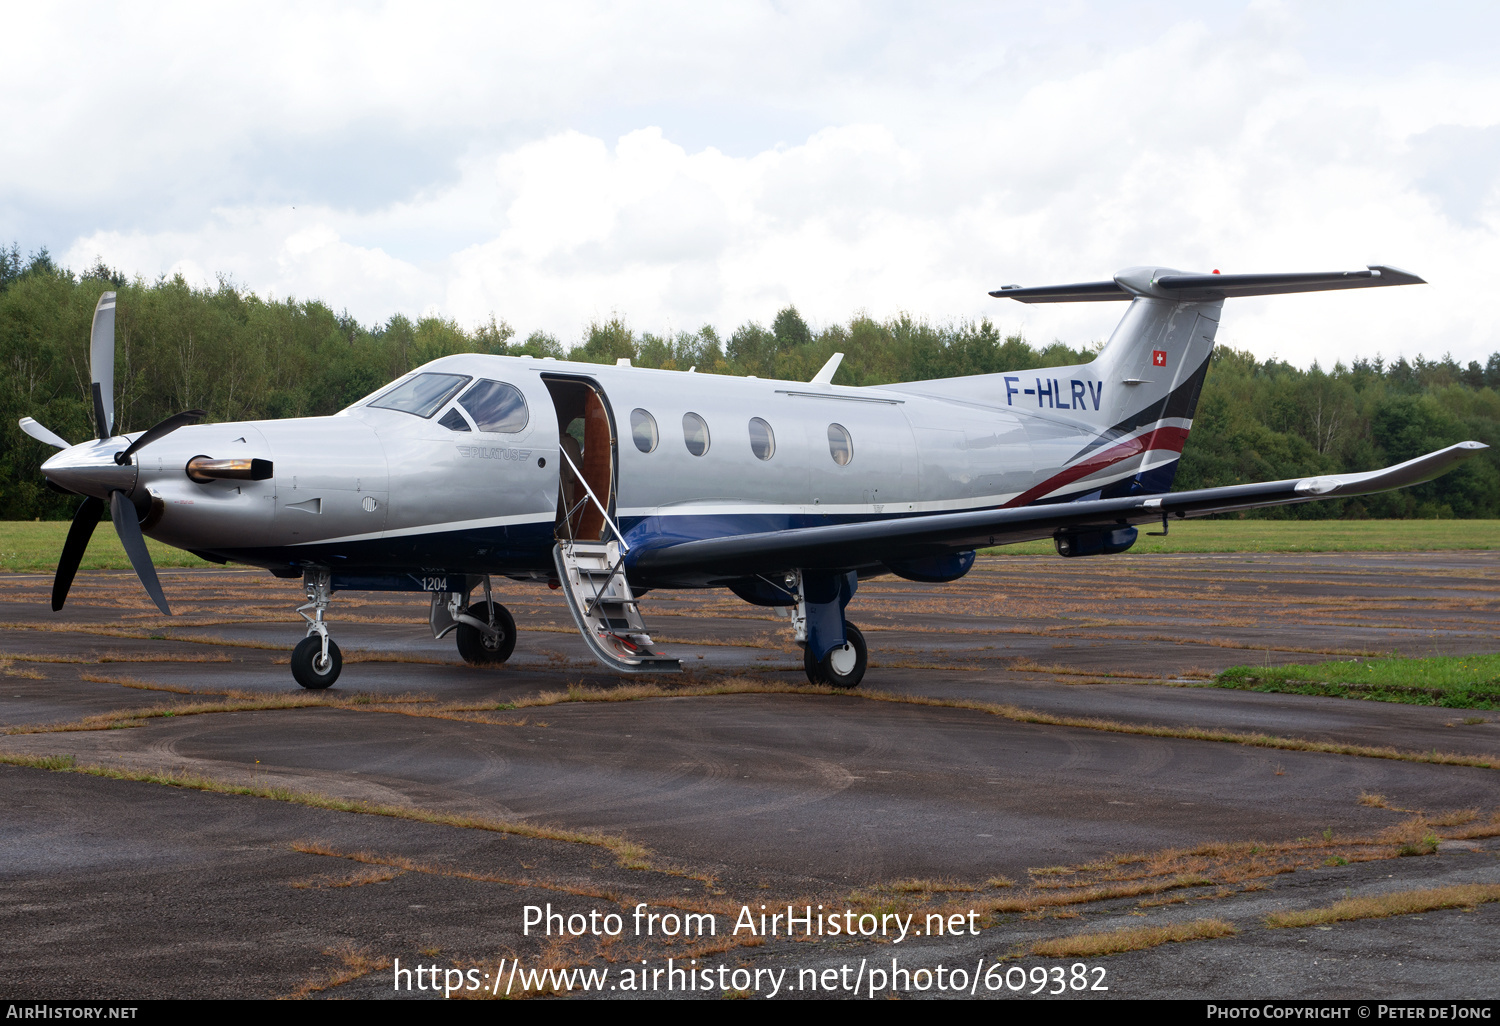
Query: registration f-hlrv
(609, 481)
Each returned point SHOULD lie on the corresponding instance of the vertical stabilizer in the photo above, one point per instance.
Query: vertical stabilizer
(1117, 424)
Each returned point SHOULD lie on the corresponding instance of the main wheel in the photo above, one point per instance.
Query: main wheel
(310, 668)
(842, 667)
(479, 648)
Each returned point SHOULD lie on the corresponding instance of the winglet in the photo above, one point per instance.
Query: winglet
(1402, 475)
(825, 376)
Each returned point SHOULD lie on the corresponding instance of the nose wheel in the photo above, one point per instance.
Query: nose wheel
(312, 667)
(842, 667)
(316, 661)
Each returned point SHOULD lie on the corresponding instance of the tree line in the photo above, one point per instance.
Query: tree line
(240, 357)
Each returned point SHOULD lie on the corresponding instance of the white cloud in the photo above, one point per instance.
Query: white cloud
(556, 167)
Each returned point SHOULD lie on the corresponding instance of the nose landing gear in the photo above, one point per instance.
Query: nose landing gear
(316, 661)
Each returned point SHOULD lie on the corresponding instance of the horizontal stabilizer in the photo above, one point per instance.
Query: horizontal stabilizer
(1082, 292)
(1163, 283)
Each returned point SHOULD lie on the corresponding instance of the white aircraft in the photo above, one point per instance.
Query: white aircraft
(607, 481)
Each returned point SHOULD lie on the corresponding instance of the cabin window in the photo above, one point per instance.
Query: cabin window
(496, 406)
(423, 395)
(643, 430)
(695, 433)
(454, 421)
(840, 445)
(762, 439)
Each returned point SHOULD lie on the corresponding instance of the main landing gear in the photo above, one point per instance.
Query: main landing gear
(479, 646)
(485, 631)
(842, 667)
(833, 649)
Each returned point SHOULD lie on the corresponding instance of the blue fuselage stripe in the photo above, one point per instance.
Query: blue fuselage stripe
(526, 549)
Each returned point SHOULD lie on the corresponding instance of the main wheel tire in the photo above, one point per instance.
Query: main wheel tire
(810, 666)
(842, 667)
(309, 667)
(479, 648)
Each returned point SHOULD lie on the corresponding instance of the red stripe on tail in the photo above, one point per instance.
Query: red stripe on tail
(1171, 438)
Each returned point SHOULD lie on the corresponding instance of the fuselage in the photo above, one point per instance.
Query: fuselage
(692, 456)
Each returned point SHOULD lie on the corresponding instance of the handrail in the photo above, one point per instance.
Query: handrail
(578, 476)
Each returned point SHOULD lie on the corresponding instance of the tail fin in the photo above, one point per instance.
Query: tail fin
(1155, 361)
(1152, 369)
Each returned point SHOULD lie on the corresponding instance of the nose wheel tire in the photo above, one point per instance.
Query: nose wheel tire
(310, 668)
(479, 648)
(842, 667)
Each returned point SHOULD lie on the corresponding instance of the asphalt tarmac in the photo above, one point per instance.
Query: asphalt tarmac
(1035, 743)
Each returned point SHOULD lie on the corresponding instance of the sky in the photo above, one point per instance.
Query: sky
(682, 164)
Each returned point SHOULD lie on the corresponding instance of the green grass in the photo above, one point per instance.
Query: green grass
(35, 545)
(1301, 536)
(1454, 682)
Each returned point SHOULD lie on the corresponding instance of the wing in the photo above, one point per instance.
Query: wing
(843, 546)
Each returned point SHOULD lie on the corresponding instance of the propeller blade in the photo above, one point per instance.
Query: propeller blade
(102, 365)
(84, 522)
(152, 434)
(41, 434)
(128, 527)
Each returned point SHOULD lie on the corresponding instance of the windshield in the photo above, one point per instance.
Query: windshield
(423, 395)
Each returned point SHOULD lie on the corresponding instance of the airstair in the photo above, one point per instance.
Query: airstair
(592, 576)
(593, 581)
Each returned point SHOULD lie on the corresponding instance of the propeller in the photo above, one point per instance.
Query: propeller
(84, 522)
(41, 434)
(159, 431)
(102, 365)
(102, 384)
(84, 469)
(128, 527)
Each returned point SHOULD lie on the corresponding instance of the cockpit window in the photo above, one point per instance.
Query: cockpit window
(423, 395)
(496, 406)
(454, 421)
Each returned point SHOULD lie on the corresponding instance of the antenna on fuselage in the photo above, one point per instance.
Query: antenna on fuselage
(825, 376)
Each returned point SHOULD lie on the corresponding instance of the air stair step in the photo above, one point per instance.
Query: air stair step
(598, 594)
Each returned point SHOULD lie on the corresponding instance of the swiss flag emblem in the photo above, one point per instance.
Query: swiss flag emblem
(1158, 358)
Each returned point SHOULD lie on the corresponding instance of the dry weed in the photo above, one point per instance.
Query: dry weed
(1131, 939)
(1399, 903)
(357, 962)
